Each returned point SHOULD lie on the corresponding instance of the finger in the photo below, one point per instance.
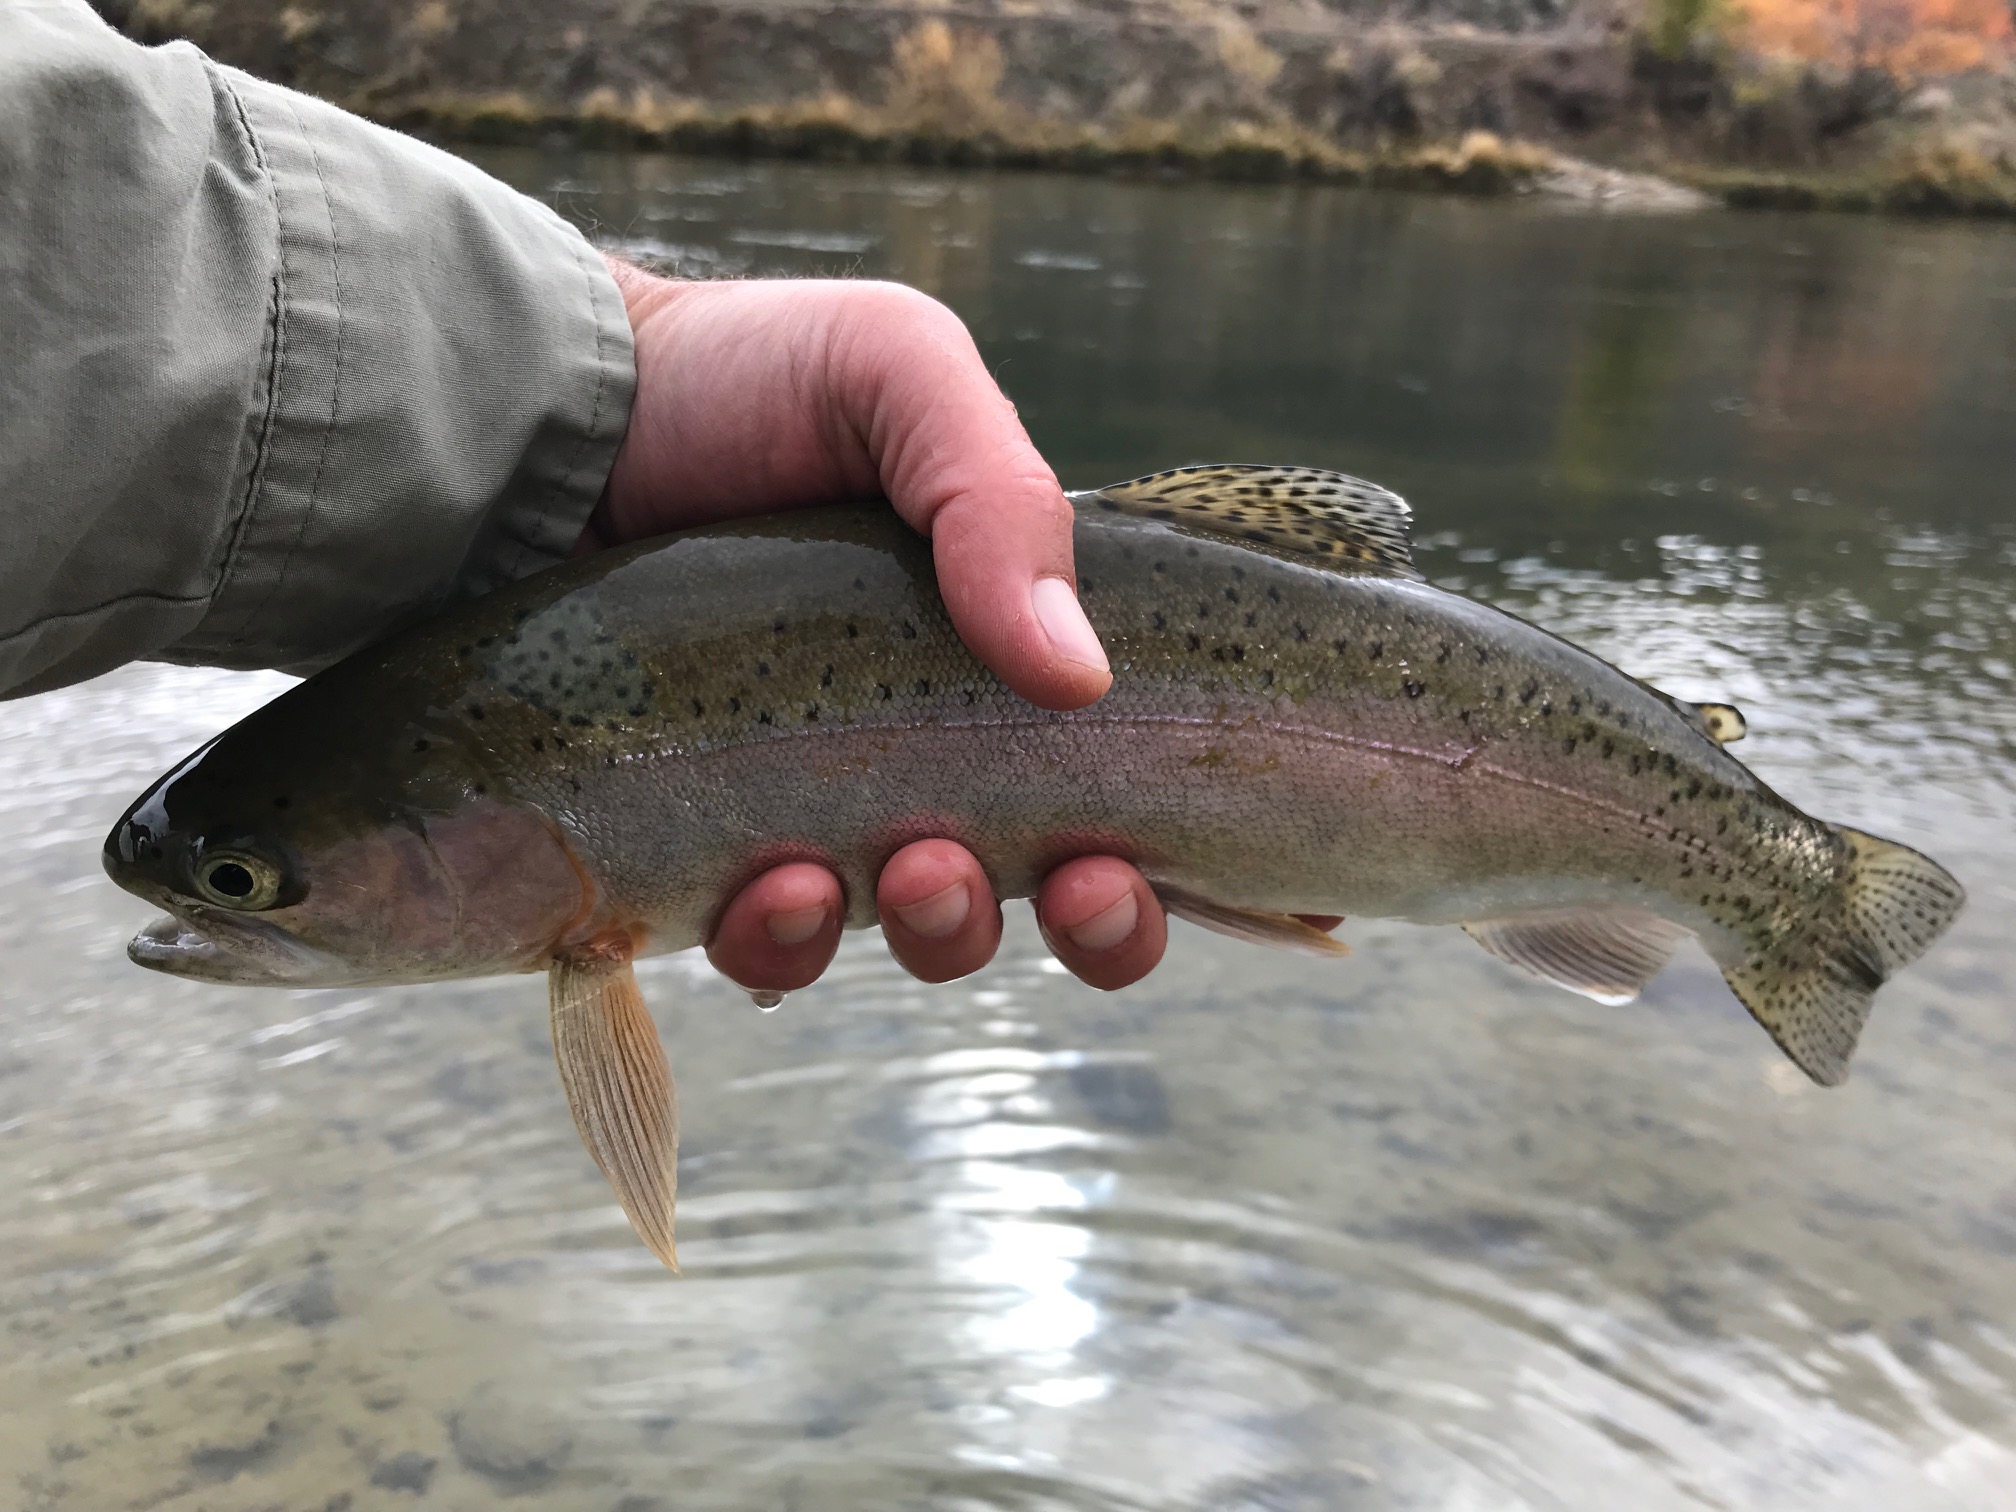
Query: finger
(780, 931)
(1102, 920)
(957, 464)
(938, 912)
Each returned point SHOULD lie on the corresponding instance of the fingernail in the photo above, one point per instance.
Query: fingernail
(798, 926)
(1064, 622)
(938, 915)
(1108, 927)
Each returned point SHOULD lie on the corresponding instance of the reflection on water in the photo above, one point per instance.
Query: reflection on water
(1403, 1231)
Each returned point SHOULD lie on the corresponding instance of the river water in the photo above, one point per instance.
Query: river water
(1262, 1234)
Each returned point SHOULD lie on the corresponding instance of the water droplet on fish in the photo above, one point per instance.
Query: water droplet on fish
(766, 1001)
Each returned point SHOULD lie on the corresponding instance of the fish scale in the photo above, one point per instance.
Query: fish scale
(583, 766)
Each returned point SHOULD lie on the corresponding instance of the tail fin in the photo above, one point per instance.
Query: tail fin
(1812, 992)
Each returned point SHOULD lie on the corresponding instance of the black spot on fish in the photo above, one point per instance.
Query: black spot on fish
(1528, 693)
(1546, 707)
(478, 789)
(1568, 746)
(909, 631)
(1378, 650)
(1161, 566)
(826, 677)
(1301, 631)
(1442, 655)
(1232, 595)
(762, 669)
(763, 718)
(1609, 748)
(923, 686)
(1203, 611)
(538, 743)
(1193, 640)
(1412, 688)
(1107, 504)
(852, 632)
(1252, 619)
(859, 586)
(1483, 656)
(778, 626)
(734, 705)
(1274, 595)
(283, 801)
(637, 710)
(1161, 620)
(1636, 766)
(609, 760)
(420, 745)
(884, 692)
(812, 712)
(966, 697)
(1498, 693)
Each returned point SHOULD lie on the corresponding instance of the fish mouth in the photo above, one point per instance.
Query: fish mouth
(247, 952)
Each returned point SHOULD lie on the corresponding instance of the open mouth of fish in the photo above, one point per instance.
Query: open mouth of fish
(239, 950)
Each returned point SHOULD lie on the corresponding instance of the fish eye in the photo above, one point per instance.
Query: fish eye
(233, 879)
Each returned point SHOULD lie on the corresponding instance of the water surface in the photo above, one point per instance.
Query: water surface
(1405, 1231)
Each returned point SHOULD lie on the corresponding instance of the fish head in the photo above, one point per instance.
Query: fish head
(321, 843)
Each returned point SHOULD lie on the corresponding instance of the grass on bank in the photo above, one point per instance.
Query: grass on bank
(838, 129)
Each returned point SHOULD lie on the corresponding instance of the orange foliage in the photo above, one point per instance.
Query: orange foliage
(1909, 38)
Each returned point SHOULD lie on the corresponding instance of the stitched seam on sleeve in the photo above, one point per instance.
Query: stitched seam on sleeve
(276, 363)
(65, 616)
(565, 487)
(335, 387)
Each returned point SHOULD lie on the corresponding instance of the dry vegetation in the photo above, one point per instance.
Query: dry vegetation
(942, 104)
(1890, 104)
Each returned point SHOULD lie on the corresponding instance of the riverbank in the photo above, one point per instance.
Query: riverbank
(1477, 96)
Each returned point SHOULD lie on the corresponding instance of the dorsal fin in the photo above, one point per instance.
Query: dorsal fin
(1323, 517)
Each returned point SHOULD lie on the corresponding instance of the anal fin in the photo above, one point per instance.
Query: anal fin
(1605, 953)
(619, 1088)
(1283, 931)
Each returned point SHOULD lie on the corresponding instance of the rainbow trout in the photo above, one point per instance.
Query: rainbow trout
(585, 766)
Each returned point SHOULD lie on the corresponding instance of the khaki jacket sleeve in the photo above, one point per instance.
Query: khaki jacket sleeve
(272, 379)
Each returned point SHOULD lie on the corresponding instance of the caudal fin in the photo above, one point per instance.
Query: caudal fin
(1812, 990)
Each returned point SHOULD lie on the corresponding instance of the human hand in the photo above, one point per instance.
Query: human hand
(759, 396)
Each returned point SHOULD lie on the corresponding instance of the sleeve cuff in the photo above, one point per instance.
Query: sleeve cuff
(448, 373)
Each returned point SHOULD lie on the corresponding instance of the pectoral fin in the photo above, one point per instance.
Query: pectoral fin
(1608, 954)
(1281, 930)
(619, 1088)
